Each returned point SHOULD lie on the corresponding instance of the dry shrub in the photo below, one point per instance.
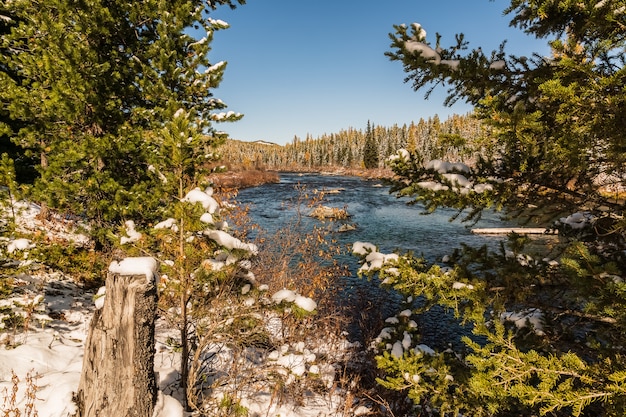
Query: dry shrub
(233, 341)
(243, 179)
(10, 403)
(302, 256)
(229, 333)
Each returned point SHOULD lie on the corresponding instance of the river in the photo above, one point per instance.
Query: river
(379, 218)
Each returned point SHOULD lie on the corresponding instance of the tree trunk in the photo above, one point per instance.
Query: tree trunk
(43, 211)
(118, 376)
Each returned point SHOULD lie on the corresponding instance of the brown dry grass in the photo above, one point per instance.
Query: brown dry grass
(243, 179)
(11, 399)
(298, 257)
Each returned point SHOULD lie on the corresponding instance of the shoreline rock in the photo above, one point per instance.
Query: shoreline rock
(333, 213)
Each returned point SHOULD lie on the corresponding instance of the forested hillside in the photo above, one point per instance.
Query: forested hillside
(432, 138)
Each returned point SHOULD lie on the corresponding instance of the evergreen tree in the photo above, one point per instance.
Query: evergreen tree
(370, 149)
(10, 188)
(548, 324)
(24, 166)
(199, 259)
(96, 81)
(115, 97)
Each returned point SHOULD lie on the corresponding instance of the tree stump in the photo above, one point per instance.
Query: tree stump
(118, 377)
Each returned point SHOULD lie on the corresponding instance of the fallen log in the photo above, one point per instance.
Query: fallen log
(517, 230)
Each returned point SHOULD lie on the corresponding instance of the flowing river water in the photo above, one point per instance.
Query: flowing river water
(379, 218)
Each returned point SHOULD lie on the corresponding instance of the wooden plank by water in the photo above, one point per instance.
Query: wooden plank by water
(518, 230)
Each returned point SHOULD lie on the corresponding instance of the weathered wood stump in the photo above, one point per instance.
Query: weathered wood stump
(118, 377)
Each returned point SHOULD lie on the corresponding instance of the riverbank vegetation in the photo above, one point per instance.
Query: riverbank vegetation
(547, 321)
(233, 179)
(352, 151)
(456, 138)
(108, 124)
(108, 109)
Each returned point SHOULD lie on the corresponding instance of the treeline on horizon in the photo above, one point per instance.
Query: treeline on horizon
(457, 138)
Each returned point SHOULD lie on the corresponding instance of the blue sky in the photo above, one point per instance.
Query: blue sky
(298, 67)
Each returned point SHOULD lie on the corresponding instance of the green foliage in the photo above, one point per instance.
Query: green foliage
(232, 407)
(370, 149)
(11, 320)
(555, 133)
(547, 317)
(6, 286)
(115, 100)
(291, 309)
(521, 358)
(346, 148)
(199, 262)
(426, 378)
(89, 86)
(83, 264)
(11, 189)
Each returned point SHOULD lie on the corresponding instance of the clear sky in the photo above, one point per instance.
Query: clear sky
(298, 66)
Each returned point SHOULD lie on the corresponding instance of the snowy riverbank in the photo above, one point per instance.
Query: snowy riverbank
(41, 358)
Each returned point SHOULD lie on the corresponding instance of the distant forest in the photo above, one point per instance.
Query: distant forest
(458, 138)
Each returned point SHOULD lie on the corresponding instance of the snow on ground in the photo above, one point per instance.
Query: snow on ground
(42, 366)
(56, 228)
(52, 353)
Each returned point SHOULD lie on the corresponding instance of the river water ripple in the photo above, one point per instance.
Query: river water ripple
(380, 218)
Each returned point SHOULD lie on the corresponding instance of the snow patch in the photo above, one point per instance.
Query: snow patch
(458, 179)
(363, 248)
(497, 65)
(452, 63)
(131, 234)
(290, 296)
(141, 265)
(167, 224)
(99, 298)
(444, 167)
(401, 155)
(428, 53)
(522, 319)
(203, 197)
(230, 242)
(19, 244)
(577, 220)
(167, 406)
(305, 303)
(461, 285)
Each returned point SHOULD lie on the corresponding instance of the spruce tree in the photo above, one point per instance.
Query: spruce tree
(547, 324)
(24, 166)
(115, 99)
(370, 149)
(200, 260)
